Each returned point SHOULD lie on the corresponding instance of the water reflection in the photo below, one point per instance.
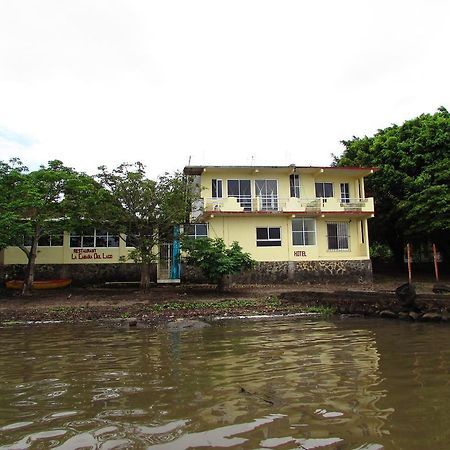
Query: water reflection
(269, 384)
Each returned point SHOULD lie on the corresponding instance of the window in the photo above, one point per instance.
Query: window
(52, 240)
(268, 237)
(47, 240)
(241, 189)
(267, 192)
(338, 237)
(216, 188)
(196, 230)
(362, 231)
(303, 232)
(95, 238)
(345, 193)
(294, 184)
(324, 190)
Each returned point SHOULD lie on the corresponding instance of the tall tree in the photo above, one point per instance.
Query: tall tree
(42, 202)
(146, 210)
(412, 188)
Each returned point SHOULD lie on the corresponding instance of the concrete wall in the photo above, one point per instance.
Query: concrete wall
(81, 274)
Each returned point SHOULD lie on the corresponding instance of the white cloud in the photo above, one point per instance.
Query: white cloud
(101, 82)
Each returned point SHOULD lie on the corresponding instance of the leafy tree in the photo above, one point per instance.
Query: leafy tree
(11, 224)
(146, 210)
(42, 202)
(412, 187)
(215, 260)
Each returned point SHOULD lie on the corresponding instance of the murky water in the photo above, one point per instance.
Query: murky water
(284, 384)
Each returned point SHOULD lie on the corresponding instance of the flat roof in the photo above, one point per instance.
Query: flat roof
(198, 170)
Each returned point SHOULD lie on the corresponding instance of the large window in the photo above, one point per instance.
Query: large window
(47, 240)
(241, 189)
(338, 236)
(196, 230)
(268, 237)
(267, 192)
(94, 238)
(294, 185)
(324, 190)
(303, 232)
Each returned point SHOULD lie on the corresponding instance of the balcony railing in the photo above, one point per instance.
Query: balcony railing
(276, 204)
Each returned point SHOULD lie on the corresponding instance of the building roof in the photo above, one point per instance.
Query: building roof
(292, 168)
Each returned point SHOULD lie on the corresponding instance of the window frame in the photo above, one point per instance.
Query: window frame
(339, 238)
(294, 185)
(344, 192)
(322, 184)
(104, 234)
(304, 232)
(197, 235)
(269, 241)
(217, 188)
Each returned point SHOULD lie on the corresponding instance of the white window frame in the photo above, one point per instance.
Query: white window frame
(304, 232)
(197, 235)
(217, 182)
(83, 236)
(294, 187)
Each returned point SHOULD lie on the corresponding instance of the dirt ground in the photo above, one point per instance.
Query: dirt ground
(71, 304)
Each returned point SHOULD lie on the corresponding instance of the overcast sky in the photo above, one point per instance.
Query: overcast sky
(96, 82)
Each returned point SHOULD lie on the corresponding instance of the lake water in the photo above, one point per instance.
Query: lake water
(267, 384)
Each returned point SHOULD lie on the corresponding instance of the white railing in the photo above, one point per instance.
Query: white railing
(270, 203)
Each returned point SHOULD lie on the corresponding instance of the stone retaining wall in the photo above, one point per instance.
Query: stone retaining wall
(310, 272)
(319, 272)
(429, 307)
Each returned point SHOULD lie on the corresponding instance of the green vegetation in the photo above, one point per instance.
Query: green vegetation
(215, 260)
(145, 210)
(225, 304)
(41, 203)
(412, 187)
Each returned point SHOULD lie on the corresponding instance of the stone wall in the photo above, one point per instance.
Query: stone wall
(81, 274)
(310, 272)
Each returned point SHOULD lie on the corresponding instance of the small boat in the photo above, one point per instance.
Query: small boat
(44, 284)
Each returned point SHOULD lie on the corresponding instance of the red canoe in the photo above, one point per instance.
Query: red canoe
(44, 284)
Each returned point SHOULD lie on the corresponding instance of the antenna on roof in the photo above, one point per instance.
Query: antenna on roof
(253, 160)
(189, 161)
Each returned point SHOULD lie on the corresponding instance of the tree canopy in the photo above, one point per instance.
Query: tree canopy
(145, 210)
(412, 187)
(42, 202)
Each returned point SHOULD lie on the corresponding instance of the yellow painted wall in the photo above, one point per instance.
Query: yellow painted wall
(307, 180)
(242, 228)
(69, 255)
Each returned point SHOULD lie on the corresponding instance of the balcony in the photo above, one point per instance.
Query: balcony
(270, 204)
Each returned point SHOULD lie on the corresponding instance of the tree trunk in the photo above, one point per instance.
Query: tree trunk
(148, 275)
(224, 283)
(29, 278)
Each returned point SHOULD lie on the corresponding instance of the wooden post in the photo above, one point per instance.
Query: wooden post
(408, 254)
(435, 257)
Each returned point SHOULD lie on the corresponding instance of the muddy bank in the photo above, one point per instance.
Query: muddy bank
(162, 304)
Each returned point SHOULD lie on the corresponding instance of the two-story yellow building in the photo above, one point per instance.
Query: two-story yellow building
(300, 223)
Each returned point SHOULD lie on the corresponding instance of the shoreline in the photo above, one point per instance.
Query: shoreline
(163, 304)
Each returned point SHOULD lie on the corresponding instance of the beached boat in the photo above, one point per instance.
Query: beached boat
(43, 284)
